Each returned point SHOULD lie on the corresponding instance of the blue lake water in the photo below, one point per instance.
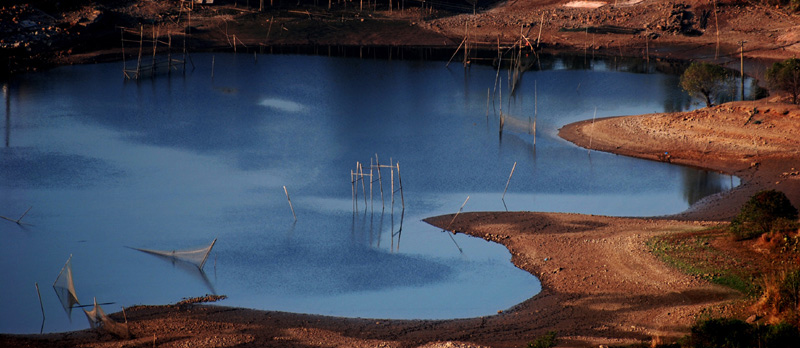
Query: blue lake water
(173, 162)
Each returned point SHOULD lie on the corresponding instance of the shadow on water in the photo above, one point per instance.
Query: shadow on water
(698, 184)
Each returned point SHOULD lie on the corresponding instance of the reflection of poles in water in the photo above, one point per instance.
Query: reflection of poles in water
(487, 105)
(188, 267)
(502, 118)
(741, 67)
(497, 73)
(591, 133)
(39, 293)
(380, 229)
(535, 110)
(398, 233)
(17, 221)
(371, 180)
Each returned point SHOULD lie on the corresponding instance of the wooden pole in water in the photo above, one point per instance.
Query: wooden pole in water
(169, 53)
(185, 35)
(380, 179)
(212, 67)
(363, 189)
(122, 39)
(456, 52)
(290, 202)
(541, 24)
(141, 46)
(466, 44)
(269, 29)
(509, 180)
(392, 179)
(155, 43)
(459, 212)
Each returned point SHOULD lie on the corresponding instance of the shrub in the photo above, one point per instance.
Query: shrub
(721, 333)
(759, 213)
(780, 335)
(781, 295)
(734, 333)
(545, 341)
(785, 76)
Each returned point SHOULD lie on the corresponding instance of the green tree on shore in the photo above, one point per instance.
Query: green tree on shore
(785, 76)
(704, 81)
(760, 212)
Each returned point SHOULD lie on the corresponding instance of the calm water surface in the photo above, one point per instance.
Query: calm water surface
(174, 162)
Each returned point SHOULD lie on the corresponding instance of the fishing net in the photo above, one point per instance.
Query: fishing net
(99, 320)
(196, 257)
(65, 287)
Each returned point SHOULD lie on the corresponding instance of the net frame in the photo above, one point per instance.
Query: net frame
(64, 286)
(98, 319)
(196, 256)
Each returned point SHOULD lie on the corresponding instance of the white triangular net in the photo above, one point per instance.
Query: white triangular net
(196, 257)
(99, 320)
(65, 287)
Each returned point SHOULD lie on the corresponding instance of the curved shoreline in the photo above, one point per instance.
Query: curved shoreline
(754, 140)
(600, 284)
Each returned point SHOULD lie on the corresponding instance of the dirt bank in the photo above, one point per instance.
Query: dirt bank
(756, 141)
(690, 29)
